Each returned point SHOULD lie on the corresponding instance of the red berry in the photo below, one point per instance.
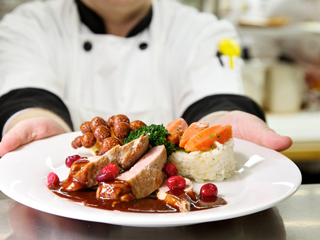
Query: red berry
(108, 173)
(105, 177)
(71, 159)
(53, 179)
(110, 167)
(176, 182)
(170, 169)
(209, 190)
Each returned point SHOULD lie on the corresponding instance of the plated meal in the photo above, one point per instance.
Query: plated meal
(140, 168)
(262, 179)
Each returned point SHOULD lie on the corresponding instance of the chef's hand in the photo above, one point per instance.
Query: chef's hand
(27, 131)
(251, 128)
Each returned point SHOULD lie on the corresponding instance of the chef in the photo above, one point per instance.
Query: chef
(63, 62)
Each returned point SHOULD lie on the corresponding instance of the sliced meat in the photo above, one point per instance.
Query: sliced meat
(178, 199)
(146, 175)
(123, 156)
(115, 190)
(127, 155)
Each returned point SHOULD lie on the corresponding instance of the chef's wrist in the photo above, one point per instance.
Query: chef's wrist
(29, 113)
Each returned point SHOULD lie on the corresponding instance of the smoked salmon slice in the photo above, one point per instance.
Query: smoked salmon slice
(191, 131)
(205, 140)
(176, 128)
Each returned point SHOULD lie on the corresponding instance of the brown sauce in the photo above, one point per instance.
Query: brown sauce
(146, 205)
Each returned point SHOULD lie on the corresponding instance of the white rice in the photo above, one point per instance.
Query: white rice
(215, 165)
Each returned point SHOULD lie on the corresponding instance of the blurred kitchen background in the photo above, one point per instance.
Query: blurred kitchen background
(280, 42)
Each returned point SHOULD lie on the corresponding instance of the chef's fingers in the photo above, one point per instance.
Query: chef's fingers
(278, 142)
(27, 131)
(251, 128)
(269, 138)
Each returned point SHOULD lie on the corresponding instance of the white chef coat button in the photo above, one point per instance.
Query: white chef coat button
(143, 46)
(87, 46)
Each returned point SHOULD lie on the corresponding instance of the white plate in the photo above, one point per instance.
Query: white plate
(264, 178)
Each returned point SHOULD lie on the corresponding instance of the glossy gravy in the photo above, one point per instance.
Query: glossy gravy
(146, 205)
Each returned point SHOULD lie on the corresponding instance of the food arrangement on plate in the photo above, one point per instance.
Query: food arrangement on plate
(140, 168)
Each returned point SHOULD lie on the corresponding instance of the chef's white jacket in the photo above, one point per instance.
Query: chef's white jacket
(42, 46)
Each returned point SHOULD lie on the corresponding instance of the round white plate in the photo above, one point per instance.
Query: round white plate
(263, 178)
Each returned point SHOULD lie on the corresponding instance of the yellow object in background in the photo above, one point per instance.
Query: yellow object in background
(230, 48)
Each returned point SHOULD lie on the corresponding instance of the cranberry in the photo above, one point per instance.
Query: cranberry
(110, 167)
(53, 179)
(71, 159)
(176, 182)
(170, 169)
(108, 173)
(209, 190)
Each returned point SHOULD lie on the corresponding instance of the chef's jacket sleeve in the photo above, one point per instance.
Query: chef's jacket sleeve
(27, 50)
(27, 66)
(20, 99)
(203, 74)
(221, 102)
(207, 85)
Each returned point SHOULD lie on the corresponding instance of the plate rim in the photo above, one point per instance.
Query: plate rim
(152, 222)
